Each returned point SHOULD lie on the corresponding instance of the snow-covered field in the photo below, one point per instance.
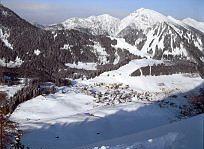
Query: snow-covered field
(72, 118)
(80, 65)
(11, 90)
(146, 83)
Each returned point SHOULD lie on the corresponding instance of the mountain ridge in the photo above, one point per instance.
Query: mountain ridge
(57, 49)
(141, 18)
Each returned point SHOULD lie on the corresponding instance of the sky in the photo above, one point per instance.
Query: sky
(55, 11)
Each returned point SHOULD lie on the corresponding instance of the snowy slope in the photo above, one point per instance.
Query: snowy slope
(122, 75)
(80, 65)
(176, 22)
(52, 109)
(68, 117)
(195, 24)
(146, 33)
(98, 24)
(142, 19)
(122, 44)
(11, 90)
(4, 35)
(187, 134)
(72, 117)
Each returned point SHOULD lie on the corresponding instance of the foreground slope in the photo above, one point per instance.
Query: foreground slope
(186, 134)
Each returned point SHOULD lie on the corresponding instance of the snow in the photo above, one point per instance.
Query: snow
(11, 90)
(81, 65)
(117, 58)
(72, 118)
(176, 22)
(69, 117)
(5, 13)
(4, 35)
(177, 51)
(37, 52)
(122, 44)
(151, 37)
(58, 107)
(155, 40)
(101, 52)
(122, 75)
(55, 36)
(80, 115)
(186, 134)
(195, 24)
(66, 47)
(162, 142)
(104, 22)
(202, 59)
(142, 19)
(198, 43)
(11, 64)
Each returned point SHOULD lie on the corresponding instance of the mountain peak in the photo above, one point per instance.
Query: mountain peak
(143, 19)
(107, 23)
(103, 17)
(144, 10)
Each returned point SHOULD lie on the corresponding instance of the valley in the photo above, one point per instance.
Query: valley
(102, 82)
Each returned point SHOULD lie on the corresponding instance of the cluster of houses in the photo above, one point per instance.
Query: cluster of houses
(111, 94)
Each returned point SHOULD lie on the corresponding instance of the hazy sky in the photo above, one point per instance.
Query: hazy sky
(55, 11)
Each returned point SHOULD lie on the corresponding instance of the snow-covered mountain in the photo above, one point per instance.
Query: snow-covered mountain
(127, 76)
(142, 34)
(195, 24)
(27, 47)
(150, 32)
(102, 24)
(140, 19)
